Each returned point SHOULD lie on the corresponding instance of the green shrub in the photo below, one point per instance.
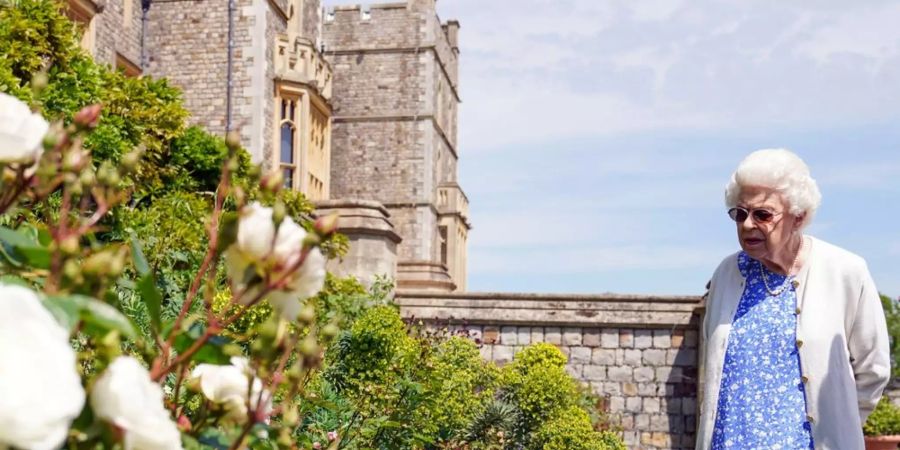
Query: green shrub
(884, 420)
(538, 355)
(200, 157)
(570, 429)
(892, 315)
(465, 385)
(537, 382)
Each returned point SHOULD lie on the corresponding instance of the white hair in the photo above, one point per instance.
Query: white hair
(783, 171)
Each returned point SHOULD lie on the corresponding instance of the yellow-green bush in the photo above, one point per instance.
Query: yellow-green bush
(538, 355)
(570, 429)
(465, 384)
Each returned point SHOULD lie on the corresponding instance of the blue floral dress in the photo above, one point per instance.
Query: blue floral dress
(762, 401)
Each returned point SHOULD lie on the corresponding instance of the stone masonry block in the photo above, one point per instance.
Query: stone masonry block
(626, 338)
(629, 389)
(603, 357)
(591, 337)
(537, 334)
(609, 338)
(508, 335)
(523, 336)
(553, 335)
(654, 357)
(677, 338)
(621, 374)
(632, 357)
(643, 338)
(616, 404)
(633, 404)
(642, 421)
(662, 339)
(571, 336)
(594, 373)
(612, 388)
(491, 335)
(643, 374)
(579, 355)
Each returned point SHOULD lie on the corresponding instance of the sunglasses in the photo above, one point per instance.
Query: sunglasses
(739, 215)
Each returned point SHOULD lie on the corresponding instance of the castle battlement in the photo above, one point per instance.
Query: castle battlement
(411, 26)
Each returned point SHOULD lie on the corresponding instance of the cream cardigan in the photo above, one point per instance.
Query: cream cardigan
(841, 334)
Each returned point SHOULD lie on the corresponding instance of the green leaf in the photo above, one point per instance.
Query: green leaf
(21, 247)
(14, 280)
(69, 309)
(152, 297)
(227, 231)
(36, 256)
(137, 254)
(211, 352)
(66, 312)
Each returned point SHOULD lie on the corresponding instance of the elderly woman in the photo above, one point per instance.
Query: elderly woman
(796, 353)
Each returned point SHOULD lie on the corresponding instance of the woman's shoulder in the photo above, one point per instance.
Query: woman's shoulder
(728, 265)
(826, 254)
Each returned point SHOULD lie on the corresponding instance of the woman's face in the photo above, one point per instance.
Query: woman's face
(765, 241)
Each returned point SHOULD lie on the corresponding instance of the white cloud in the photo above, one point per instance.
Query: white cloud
(546, 69)
(868, 31)
(863, 176)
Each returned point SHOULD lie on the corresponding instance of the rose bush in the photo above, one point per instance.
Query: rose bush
(21, 131)
(273, 247)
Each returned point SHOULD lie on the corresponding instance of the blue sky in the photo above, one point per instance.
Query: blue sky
(596, 137)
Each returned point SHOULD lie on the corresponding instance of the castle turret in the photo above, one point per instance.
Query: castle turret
(396, 93)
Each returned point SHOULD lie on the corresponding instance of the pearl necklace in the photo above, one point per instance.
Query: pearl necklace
(776, 292)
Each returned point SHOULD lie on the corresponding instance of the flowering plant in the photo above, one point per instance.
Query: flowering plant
(76, 371)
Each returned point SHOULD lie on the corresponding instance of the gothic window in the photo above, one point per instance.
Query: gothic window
(443, 236)
(288, 129)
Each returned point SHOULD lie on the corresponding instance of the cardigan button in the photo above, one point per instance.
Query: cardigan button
(798, 310)
(795, 284)
(799, 343)
(810, 419)
(804, 379)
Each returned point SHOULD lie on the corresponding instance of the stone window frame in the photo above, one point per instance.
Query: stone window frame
(127, 66)
(84, 12)
(310, 113)
(290, 114)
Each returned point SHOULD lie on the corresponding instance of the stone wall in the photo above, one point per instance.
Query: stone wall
(640, 353)
(117, 31)
(187, 42)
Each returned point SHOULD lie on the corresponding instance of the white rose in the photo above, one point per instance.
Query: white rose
(228, 386)
(258, 242)
(21, 131)
(256, 231)
(125, 396)
(40, 390)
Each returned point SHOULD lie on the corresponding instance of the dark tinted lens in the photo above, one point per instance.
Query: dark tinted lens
(762, 216)
(738, 214)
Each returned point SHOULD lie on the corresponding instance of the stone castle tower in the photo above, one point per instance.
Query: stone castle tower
(357, 106)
